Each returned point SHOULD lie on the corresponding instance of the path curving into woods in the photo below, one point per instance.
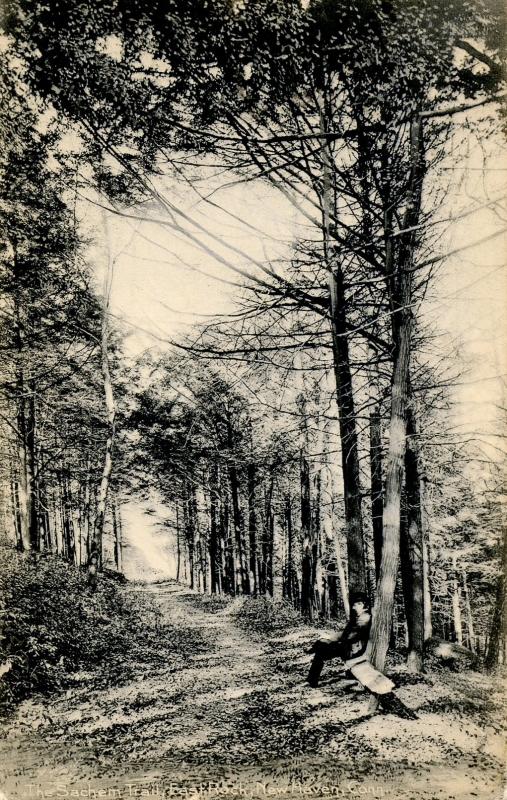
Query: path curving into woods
(235, 710)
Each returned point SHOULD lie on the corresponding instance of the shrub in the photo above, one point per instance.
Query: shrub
(263, 615)
(52, 626)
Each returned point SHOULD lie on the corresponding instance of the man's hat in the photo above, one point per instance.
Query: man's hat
(359, 597)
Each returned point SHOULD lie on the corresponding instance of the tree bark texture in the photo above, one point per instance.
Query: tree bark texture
(110, 406)
(344, 389)
(412, 552)
(401, 301)
(498, 630)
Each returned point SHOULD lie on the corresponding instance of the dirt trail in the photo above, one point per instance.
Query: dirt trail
(237, 713)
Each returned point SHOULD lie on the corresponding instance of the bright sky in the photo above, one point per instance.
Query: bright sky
(156, 285)
(159, 294)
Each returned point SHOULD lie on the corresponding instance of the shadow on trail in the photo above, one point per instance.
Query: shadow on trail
(205, 699)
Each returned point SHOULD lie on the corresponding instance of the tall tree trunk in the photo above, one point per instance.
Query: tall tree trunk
(117, 532)
(289, 568)
(317, 541)
(469, 616)
(412, 552)
(110, 405)
(456, 603)
(307, 571)
(178, 542)
(269, 536)
(237, 518)
(401, 301)
(377, 500)
(229, 543)
(198, 548)
(498, 630)
(344, 588)
(189, 524)
(86, 512)
(348, 435)
(242, 577)
(24, 480)
(68, 523)
(344, 388)
(58, 515)
(16, 515)
(23, 484)
(45, 537)
(31, 466)
(214, 551)
(252, 527)
(428, 621)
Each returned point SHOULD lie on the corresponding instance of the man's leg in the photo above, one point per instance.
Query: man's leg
(324, 651)
(315, 670)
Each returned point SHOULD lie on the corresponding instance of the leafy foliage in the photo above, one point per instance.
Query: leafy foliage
(52, 626)
(264, 615)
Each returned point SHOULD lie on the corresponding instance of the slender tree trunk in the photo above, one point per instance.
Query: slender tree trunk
(307, 571)
(24, 482)
(412, 552)
(25, 476)
(117, 537)
(178, 543)
(198, 557)
(214, 531)
(31, 467)
(344, 391)
(469, 616)
(68, 524)
(110, 405)
(316, 541)
(383, 609)
(498, 630)
(229, 543)
(252, 527)
(56, 509)
(269, 537)
(190, 534)
(121, 537)
(242, 578)
(402, 301)
(344, 588)
(43, 510)
(377, 500)
(428, 622)
(16, 514)
(86, 512)
(213, 544)
(456, 603)
(348, 435)
(290, 547)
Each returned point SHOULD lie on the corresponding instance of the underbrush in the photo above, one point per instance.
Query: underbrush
(211, 603)
(263, 615)
(52, 626)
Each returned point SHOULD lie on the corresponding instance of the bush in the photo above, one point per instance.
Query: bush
(211, 603)
(52, 626)
(264, 615)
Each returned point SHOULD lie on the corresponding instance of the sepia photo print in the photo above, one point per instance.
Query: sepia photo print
(253, 399)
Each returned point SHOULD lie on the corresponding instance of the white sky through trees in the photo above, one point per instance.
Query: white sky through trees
(160, 290)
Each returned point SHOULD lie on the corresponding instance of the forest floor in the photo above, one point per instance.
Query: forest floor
(229, 714)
